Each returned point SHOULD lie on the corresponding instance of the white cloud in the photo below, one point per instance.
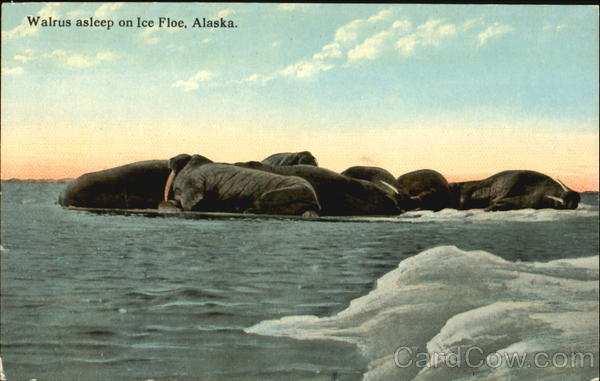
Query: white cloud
(494, 31)
(78, 60)
(106, 9)
(471, 23)
(373, 46)
(370, 48)
(321, 61)
(290, 6)
(381, 16)
(350, 32)
(430, 33)
(330, 54)
(275, 44)
(406, 45)
(306, 69)
(329, 51)
(25, 57)
(68, 59)
(25, 30)
(104, 56)
(13, 71)
(256, 79)
(386, 34)
(224, 13)
(193, 82)
(402, 26)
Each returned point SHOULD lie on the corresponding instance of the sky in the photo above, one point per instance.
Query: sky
(467, 90)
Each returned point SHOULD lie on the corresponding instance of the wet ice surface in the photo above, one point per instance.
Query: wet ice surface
(97, 297)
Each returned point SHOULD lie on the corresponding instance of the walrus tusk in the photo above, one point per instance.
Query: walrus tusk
(557, 199)
(168, 184)
(564, 187)
(390, 186)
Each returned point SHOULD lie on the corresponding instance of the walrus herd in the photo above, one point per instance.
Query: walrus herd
(294, 184)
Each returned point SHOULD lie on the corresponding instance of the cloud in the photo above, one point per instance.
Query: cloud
(306, 69)
(406, 45)
(225, 13)
(256, 79)
(328, 51)
(290, 6)
(71, 60)
(430, 33)
(26, 56)
(369, 48)
(329, 55)
(321, 61)
(106, 9)
(345, 43)
(193, 82)
(26, 30)
(387, 34)
(79, 61)
(13, 71)
(350, 31)
(471, 23)
(373, 46)
(494, 31)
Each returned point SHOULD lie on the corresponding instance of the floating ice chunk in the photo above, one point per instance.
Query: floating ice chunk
(438, 305)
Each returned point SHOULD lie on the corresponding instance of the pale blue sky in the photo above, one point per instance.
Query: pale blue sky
(339, 68)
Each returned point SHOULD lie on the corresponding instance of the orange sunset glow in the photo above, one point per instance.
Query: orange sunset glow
(459, 154)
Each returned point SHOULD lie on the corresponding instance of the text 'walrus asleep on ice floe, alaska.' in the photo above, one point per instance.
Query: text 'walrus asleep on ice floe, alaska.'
(138, 22)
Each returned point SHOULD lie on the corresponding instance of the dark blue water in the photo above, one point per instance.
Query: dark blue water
(99, 297)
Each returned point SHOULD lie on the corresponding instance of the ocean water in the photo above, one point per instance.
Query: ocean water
(100, 297)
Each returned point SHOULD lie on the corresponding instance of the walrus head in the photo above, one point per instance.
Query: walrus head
(568, 200)
(177, 163)
(307, 158)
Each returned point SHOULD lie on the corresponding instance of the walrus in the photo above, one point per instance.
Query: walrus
(198, 184)
(513, 189)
